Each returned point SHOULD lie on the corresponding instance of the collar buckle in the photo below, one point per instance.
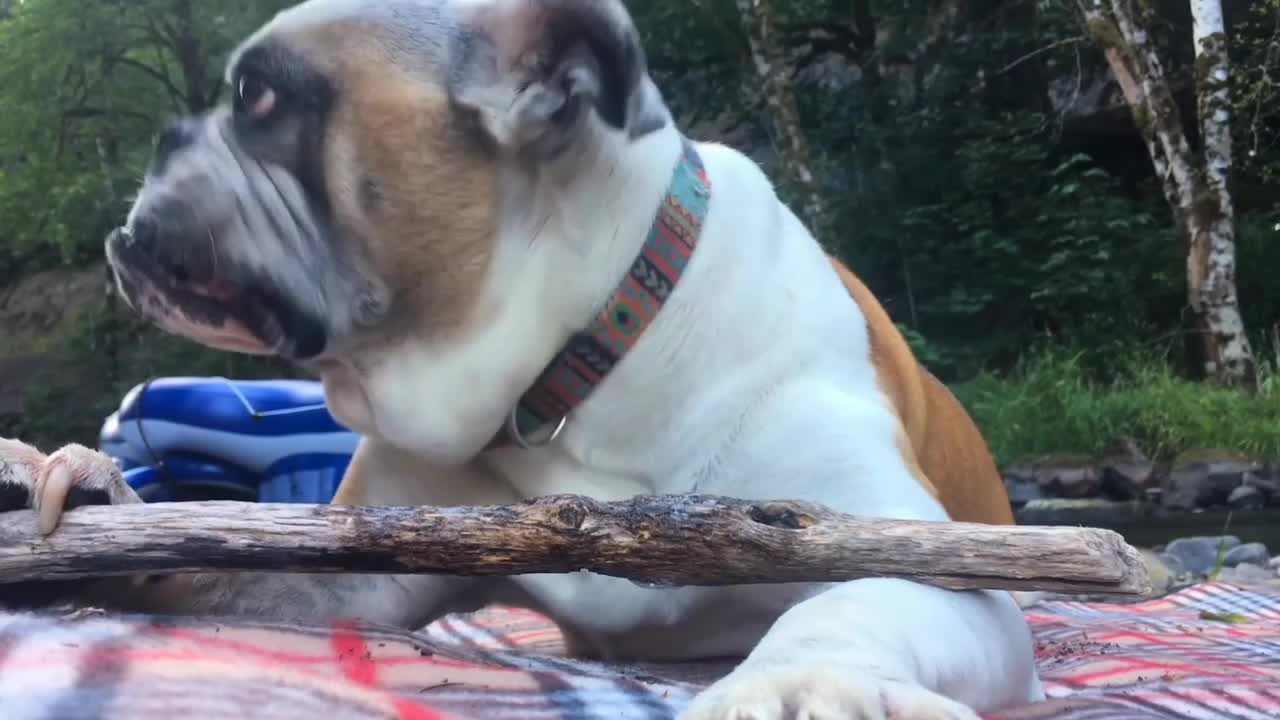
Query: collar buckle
(516, 436)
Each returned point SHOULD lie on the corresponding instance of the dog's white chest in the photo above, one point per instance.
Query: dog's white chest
(604, 603)
(613, 618)
(599, 603)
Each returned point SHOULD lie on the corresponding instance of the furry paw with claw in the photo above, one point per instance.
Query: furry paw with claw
(72, 477)
(809, 693)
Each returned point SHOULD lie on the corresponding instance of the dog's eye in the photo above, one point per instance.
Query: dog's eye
(256, 97)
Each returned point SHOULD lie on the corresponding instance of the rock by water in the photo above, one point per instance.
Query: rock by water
(1126, 472)
(1068, 476)
(1254, 553)
(1205, 478)
(1199, 479)
(1246, 497)
(1248, 574)
(1198, 555)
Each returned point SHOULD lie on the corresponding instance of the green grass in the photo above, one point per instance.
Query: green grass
(1052, 405)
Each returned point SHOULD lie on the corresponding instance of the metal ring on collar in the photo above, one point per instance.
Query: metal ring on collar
(513, 429)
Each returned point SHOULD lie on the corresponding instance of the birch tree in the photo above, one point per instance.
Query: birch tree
(774, 75)
(1196, 185)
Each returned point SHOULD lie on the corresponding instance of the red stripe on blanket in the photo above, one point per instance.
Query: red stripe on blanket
(203, 638)
(1206, 664)
(354, 657)
(356, 662)
(1181, 669)
(406, 710)
(70, 657)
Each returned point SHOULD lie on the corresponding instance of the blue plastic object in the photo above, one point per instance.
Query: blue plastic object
(208, 438)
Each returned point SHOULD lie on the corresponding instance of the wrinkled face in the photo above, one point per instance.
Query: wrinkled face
(350, 186)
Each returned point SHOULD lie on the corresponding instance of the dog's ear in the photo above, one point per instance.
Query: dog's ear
(533, 72)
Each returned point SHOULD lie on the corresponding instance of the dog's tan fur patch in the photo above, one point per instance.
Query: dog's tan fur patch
(431, 234)
(942, 445)
(426, 218)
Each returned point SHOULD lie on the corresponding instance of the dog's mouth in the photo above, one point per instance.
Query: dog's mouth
(207, 307)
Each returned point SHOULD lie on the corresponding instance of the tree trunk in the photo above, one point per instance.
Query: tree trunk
(793, 148)
(1211, 264)
(189, 51)
(1195, 188)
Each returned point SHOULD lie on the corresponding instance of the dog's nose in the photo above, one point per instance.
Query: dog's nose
(179, 133)
(141, 236)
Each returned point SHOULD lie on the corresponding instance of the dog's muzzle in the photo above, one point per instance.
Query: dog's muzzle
(191, 263)
(208, 310)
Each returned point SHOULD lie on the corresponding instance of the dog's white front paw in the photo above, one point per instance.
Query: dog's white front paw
(819, 693)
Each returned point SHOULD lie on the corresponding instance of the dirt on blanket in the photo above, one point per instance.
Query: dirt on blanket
(1053, 652)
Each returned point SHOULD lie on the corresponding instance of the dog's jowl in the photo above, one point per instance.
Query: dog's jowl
(477, 222)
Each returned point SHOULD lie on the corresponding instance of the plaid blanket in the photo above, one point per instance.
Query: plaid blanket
(1211, 652)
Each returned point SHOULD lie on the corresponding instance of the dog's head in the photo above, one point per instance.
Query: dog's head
(352, 186)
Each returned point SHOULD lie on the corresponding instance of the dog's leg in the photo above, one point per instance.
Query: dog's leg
(871, 648)
(882, 648)
(76, 475)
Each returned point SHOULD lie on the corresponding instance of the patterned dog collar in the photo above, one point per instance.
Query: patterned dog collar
(590, 354)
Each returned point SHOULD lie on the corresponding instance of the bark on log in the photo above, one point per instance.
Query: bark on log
(653, 541)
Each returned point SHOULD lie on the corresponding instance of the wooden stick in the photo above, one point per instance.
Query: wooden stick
(655, 541)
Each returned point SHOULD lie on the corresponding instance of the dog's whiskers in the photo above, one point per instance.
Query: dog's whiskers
(213, 249)
(537, 230)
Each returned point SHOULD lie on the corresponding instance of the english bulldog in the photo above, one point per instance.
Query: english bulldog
(478, 223)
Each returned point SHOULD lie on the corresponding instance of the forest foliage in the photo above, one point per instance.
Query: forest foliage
(981, 170)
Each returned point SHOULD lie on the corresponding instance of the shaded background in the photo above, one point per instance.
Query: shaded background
(977, 162)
